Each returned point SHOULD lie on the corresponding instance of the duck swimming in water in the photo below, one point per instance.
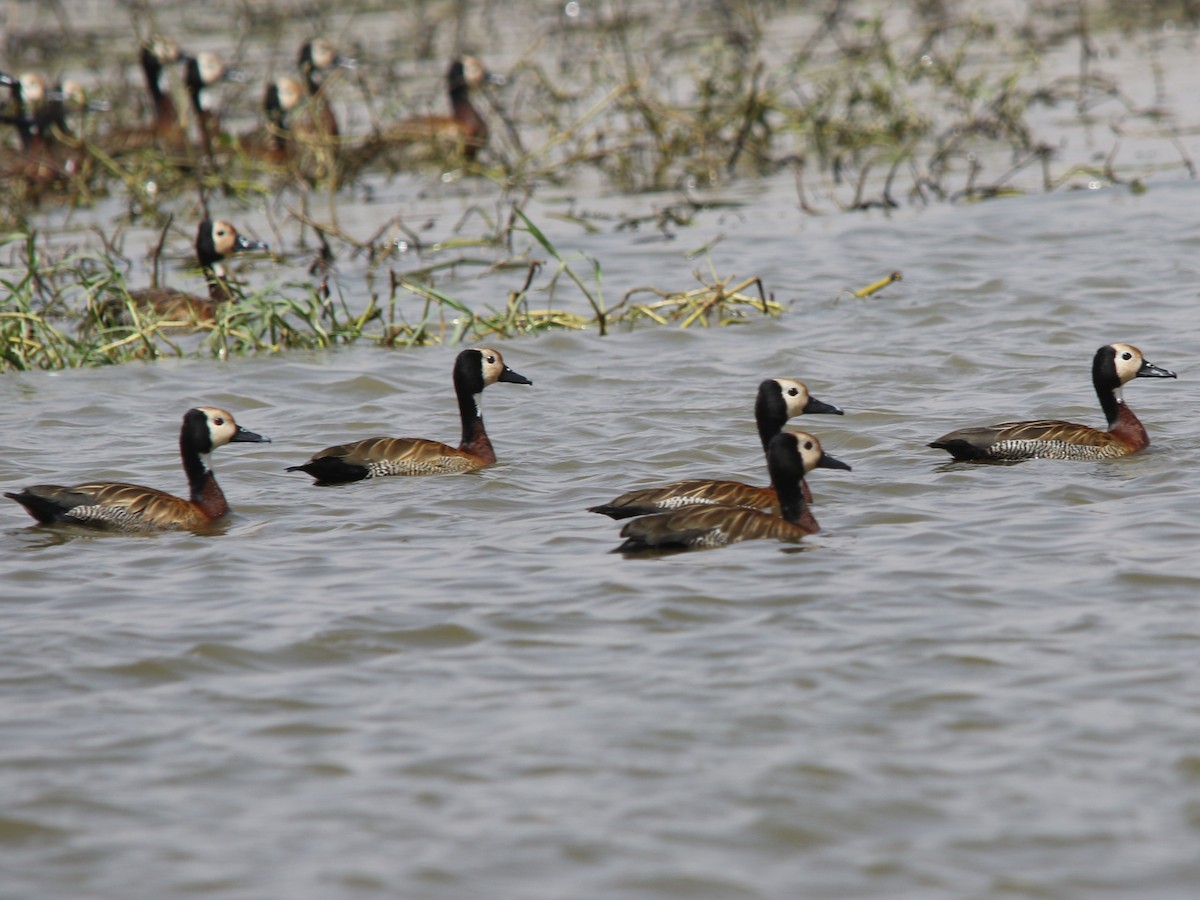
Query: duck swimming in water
(474, 370)
(132, 508)
(1112, 367)
(778, 400)
(790, 456)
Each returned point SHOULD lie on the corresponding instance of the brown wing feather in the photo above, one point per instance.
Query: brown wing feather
(181, 307)
(1050, 430)
(128, 507)
(165, 303)
(1046, 438)
(405, 456)
(694, 492)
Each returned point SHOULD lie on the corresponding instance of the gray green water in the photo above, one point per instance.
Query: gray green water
(978, 681)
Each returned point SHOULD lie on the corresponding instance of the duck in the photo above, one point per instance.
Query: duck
(167, 126)
(29, 101)
(474, 369)
(52, 155)
(1112, 367)
(71, 97)
(43, 158)
(778, 400)
(216, 240)
(165, 131)
(464, 128)
(318, 57)
(790, 456)
(132, 508)
(271, 142)
(201, 72)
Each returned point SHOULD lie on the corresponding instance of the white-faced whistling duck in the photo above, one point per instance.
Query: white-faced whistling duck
(464, 129)
(166, 131)
(71, 97)
(790, 456)
(201, 72)
(1112, 367)
(216, 240)
(51, 152)
(318, 59)
(42, 158)
(130, 507)
(474, 370)
(272, 142)
(779, 399)
(28, 101)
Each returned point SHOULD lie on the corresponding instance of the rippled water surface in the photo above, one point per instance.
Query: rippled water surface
(976, 681)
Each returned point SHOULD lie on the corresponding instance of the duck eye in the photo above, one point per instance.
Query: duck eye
(218, 421)
(1126, 355)
(489, 359)
(793, 392)
(808, 445)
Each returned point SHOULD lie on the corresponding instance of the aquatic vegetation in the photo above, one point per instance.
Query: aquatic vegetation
(866, 108)
(715, 303)
(63, 312)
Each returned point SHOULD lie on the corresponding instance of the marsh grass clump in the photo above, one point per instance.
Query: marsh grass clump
(286, 317)
(715, 302)
(40, 310)
(269, 320)
(442, 318)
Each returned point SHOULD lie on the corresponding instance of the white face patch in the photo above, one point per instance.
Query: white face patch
(322, 54)
(809, 449)
(289, 93)
(473, 71)
(1127, 361)
(33, 88)
(492, 366)
(795, 396)
(221, 427)
(211, 68)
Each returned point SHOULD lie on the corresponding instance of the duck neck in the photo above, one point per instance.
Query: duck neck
(312, 83)
(468, 386)
(459, 91)
(53, 124)
(1112, 401)
(1123, 423)
(164, 106)
(204, 490)
(219, 290)
(474, 437)
(769, 414)
(206, 119)
(27, 130)
(462, 110)
(787, 477)
(791, 499)
(26, 121)
(153, 70)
